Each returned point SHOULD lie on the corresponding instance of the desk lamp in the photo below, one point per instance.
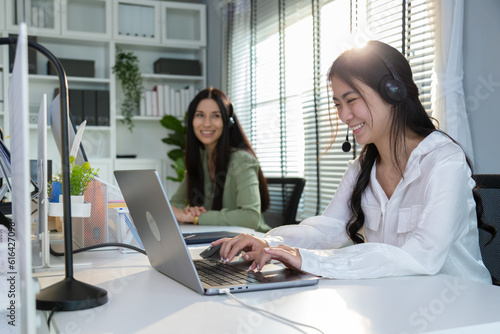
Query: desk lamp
(68, 294)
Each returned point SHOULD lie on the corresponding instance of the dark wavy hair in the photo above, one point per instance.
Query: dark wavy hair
(232, 137)
(366, 66)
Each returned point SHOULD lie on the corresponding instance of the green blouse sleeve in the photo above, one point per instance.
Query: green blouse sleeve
(180, 198)
(241, 199)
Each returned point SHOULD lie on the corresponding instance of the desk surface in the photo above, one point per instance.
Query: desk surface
(142, 300)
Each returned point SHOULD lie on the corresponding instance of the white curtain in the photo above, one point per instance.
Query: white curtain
(448, 97)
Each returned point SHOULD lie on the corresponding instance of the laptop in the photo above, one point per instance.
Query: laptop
(167, 251)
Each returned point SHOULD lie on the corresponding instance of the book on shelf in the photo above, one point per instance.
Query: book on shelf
(154, 104)
(149, 102)
(164, 100)
(142, 105)
(102, 107)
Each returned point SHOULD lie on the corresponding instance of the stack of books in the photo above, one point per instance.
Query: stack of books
(165, 100)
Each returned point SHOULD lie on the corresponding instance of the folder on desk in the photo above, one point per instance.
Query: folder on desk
(206, 237)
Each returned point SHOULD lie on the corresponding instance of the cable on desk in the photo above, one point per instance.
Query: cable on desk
(279, 318)
(109, 244)
(54, 310)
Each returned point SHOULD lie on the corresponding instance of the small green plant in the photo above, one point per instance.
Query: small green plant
(176, 138)
(79, 179)
(127, 71)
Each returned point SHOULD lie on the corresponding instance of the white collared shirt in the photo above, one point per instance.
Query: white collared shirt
(428, 226)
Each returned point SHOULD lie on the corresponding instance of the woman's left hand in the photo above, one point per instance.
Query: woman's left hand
(194, 210)
(287, 255)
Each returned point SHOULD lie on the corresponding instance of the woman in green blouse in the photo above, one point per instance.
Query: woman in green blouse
(224, 184)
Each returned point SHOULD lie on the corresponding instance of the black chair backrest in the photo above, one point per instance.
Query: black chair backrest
(284, 194)
(489, 190)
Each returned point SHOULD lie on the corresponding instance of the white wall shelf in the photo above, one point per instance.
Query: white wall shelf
(48, 78)
(90, 30)
(173, 77)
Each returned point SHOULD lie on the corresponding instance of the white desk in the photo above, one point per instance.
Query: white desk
(141, 300)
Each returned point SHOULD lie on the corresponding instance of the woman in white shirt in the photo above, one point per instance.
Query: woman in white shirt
(405, 206)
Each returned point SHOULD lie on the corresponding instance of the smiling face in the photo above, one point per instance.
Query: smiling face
(369, 121)
(208, 124)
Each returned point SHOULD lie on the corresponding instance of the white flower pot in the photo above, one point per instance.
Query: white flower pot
(79, 208)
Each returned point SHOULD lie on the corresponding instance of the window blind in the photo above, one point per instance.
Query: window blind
(278, 54)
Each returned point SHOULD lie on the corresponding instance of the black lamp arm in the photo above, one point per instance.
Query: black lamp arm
(64, 109)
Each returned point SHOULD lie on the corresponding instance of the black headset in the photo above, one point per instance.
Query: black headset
(391, 87)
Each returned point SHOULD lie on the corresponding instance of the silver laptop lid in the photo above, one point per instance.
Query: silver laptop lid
(157, 227)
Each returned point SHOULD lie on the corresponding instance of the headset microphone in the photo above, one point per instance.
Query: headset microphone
(346, 146)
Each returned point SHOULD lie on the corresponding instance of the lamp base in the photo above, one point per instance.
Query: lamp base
(71, 295)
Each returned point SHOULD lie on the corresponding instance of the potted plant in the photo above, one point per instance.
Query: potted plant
(176, 138)
(127, 71)
(80, 177)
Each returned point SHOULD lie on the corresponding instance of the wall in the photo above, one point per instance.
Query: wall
(482, 81)
(214, 43)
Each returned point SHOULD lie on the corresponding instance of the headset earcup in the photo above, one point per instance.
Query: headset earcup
(393, 91)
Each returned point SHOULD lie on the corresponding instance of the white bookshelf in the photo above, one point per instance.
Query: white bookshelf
(91, 30)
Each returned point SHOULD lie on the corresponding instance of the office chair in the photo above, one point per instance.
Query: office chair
(284, 194)
(489, 190)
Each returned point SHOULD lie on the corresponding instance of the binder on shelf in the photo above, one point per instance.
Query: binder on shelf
(178, 103)
(102, 107)
(147, 15)
(133, 23)
(172, 112)
(89, 107)
(122, 11)
(160, 98)
(76, 105)
(166, 103)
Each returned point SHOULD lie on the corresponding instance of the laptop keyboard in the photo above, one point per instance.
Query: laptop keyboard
(216, 273)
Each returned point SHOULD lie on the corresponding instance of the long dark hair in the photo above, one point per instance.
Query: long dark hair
(232, 137)
(367, 65)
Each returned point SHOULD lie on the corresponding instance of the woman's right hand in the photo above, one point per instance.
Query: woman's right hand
(252, 246)
(181, 216)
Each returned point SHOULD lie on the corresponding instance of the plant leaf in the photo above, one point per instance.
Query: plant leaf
(172, 123)
(175, 140)
(176, 154)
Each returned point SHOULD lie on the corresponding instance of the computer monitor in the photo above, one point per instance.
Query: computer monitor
(55, 122)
